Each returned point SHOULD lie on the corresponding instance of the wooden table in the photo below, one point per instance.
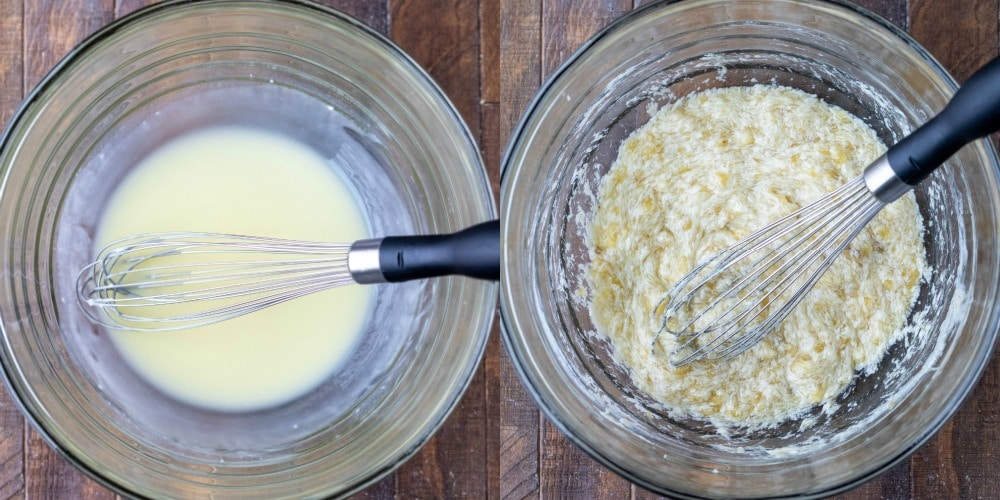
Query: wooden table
(491, 56)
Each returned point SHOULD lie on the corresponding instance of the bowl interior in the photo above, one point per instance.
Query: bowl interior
(570, 138)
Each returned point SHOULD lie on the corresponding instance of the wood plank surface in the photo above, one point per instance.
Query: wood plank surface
(491, 56)
(564, 469)
(453, 463)
(11, 92)
(520, 76)
(962, 460)
(51, 29)
(492, 149)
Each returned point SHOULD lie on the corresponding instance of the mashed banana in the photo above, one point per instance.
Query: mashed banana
(708, 170)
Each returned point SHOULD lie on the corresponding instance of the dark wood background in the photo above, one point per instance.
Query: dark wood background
(491, 56)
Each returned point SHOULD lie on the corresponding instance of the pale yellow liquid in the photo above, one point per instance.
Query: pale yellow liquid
(243, 181)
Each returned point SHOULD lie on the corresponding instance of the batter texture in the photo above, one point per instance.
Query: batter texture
(708, 170)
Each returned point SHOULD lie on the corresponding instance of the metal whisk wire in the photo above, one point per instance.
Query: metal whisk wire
(777, 264)
(170, 281)
(133, 282)
(727, 304)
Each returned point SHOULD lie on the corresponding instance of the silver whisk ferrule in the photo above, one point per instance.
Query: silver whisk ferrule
(363, 261)
(882, 181)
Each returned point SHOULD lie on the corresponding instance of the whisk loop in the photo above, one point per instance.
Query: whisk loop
(170, 281)
(730, 301)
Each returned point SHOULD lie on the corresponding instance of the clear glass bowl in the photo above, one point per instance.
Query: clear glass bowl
(288, 67)
(568, 139)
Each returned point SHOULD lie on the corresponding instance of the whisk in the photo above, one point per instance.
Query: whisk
(176, 280)
(733, 299)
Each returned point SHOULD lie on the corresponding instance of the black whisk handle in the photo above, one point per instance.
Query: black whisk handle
(473, 252)
(972, 113)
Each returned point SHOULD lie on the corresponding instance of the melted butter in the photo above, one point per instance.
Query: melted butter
(242, 181)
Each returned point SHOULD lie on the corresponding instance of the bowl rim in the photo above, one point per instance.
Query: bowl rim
(507, 320)
(93, 42)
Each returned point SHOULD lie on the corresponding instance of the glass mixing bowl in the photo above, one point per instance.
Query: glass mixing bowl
(569, 138)
(292, 68)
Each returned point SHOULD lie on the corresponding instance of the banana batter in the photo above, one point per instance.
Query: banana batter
(708, 170)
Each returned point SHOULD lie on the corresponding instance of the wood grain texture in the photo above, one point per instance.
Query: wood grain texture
(11, 92)
(374, 13)
(961, 460)
(491, 363)
(11, 47)
(49, 476)
(566, 24)
(443, 36)
(489, 48)
(895, 483)
(492, 150)
(520, 61)
(453, 464)
(52, 29)
(491, 57)
(126, 7)
(895, 11)
(520, 77)
(565, 470)
(974, 439)
(962, 36)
